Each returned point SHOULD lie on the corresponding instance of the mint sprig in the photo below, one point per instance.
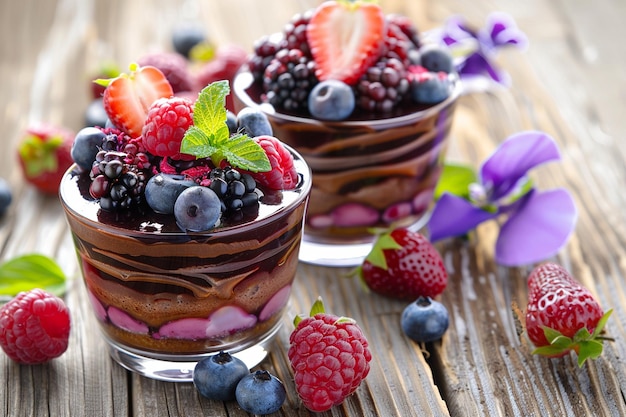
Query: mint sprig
(26, 272)
(209, 136)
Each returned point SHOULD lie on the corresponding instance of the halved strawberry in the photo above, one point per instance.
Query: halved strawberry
(128, 97)
(345, 38)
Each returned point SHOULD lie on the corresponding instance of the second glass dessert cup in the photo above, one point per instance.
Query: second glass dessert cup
(166, 299)
(367, 173)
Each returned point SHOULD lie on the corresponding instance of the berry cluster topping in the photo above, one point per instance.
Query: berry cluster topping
(352, 48)
(195, 160)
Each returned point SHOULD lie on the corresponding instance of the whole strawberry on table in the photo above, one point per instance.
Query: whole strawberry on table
(562, 315)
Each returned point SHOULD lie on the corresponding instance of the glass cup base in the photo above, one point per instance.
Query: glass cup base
(343, 254)
(180, 368)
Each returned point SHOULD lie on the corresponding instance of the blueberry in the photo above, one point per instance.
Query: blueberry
(431, 88)
(260, 393)
(331, 100)
(253, 122)
(231, 122)
(5, 196)
(435, 58)
(217, 376)
(424, 320)
(95, 115)
(162, 190)
(197, 209)
(86, 146)
(184, 38)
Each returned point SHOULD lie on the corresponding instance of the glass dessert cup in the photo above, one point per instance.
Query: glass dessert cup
(367, 173)
(165, 299)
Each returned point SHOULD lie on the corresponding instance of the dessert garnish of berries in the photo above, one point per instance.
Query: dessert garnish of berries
(34, 327)
(329, 356)
(195, 161)
(562, 315)
(347, 57)
(404, 265)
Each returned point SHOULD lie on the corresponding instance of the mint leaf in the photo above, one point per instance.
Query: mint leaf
(210, 137)
(31, 271)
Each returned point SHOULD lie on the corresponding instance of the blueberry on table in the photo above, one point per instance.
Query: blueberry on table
(185, 37)
(260, 393)
(425, 320)
(197, 209)
(331, 100)
(5, 196)
(216, 377)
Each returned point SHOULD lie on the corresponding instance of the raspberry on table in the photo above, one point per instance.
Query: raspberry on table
(34, 327)
(330, 358)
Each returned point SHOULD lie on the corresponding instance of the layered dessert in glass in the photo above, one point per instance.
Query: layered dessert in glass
(375, 160)
(166, 291)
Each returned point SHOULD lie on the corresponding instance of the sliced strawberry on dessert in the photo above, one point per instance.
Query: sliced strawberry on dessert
(404, 265)
(345, 38)
(44, 154)
(562, 315)
(128, 97)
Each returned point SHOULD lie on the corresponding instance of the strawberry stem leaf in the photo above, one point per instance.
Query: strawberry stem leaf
(377, 255)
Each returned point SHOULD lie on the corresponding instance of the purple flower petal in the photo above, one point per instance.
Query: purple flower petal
(478, 64)
(514, 158)
(455, 30)
(501, 30)
(455, 216)
(538, 230)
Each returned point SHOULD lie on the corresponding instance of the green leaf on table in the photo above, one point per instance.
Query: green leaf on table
(455, 179)
(209, 137)
(27, 272)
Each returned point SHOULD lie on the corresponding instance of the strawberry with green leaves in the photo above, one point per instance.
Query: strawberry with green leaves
(345, 38)
(128, 97)
(562, 315)
(404, 265)
(44, 154)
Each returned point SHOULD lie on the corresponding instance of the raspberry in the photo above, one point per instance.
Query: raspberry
(167, 121)
(34, 327)
(283, 175)
(329, 356)
(173, 66)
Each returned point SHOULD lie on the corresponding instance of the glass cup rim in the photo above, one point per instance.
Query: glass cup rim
(244, 79)
(304, 187)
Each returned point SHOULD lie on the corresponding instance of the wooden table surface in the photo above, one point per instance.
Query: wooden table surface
(570, 83)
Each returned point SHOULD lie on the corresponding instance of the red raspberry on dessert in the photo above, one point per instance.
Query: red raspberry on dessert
(329, 356)
(404, 265)
(283, 175)
(34, 327)
(44, 154)
(167, 121)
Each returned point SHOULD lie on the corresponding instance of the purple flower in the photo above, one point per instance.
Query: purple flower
(475, 50)
(536, 223)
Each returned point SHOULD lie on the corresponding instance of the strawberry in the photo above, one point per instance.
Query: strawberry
(345, 38)
(44, 154)
(562, 315)
(329, 356)
(403, 265)
(128, 97)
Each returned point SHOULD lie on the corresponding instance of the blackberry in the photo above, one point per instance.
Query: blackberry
(289, 79)
(383, 86)
(264, 51)
(294, 33)
(397, 44)
(235, 190)
(119, 179)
